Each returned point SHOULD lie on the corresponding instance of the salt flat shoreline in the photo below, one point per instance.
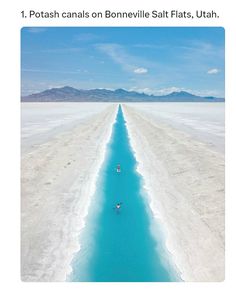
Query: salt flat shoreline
(185, 182)
(58, 178)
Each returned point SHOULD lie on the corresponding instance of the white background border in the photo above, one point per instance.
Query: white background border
(11, 23)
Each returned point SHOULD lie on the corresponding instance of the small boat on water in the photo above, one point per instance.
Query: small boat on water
(117, 208)
(118, 168)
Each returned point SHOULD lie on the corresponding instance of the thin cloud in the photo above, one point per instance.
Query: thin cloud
(199, 54)
(140, 70)
(169, 90)
(120, 56)
(117, 54)
(213, 71)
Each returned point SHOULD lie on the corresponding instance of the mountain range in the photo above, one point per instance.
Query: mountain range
(69, 94)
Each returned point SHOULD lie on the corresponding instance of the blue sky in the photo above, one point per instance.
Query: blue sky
(154, 60)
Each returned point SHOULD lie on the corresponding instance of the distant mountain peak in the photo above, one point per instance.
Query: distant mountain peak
(120, 91)
(182, 93)
(68, 87)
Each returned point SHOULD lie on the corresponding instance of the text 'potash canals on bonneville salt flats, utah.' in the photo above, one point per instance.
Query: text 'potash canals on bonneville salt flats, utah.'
(108, 14)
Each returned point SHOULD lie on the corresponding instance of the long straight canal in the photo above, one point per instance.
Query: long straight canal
(117, 244)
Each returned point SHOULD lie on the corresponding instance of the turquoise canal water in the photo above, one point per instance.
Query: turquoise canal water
(117, 245)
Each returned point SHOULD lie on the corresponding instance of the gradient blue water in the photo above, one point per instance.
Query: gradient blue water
(119, 247)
